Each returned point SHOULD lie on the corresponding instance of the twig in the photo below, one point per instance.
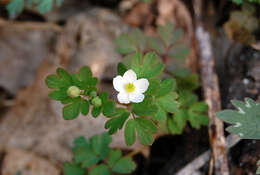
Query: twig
(203, 158)
(210, 87)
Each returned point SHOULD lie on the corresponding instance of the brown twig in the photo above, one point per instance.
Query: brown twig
(210, 87)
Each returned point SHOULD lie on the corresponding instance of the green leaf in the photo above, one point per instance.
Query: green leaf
(15, 6)
(109, 108)
(100, 144)
(147, 66)
(53, 82)
(58, 94)
(124, 44)
(124, 166)
(130, 135)
(76, 81)
(147, 1)
(104, 97)
(177, 123)
(258, 167)
(168, 102)
(144, 108)
(116, 123)
(169, 34)
(138, 39)
(238, 1)
(156, 44)
(80, 142)
(161, 114)
(72, 110)
(84, 107)
(67, 100)
(153, 87)
(166, 87)
(59, 2)
(101, 169)
(114, 156)
(179, 52)
(121, 68)
(73, 169)
(85, 73)
(64, 75)
(85, 156)
(96, 111)
(197, 114)
(189, 82)
(144, 127)
(44, 6)
(245, 121)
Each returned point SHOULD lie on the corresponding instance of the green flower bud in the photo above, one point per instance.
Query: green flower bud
(73, 91)
(93, 94)
(96, 101)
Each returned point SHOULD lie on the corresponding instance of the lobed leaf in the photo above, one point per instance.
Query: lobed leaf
(245, 120)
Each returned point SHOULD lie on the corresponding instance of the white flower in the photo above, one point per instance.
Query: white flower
(130, 89)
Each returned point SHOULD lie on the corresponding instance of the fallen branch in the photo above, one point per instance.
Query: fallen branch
(210, 87)
(197, 163)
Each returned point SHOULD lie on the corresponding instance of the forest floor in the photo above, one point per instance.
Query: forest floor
(34, 137)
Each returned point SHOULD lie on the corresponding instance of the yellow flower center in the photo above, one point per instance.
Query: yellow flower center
(130, 87)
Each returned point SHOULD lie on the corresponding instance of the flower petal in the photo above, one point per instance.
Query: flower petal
(141, 85)
(130, 76)
(136, 97)
(118, 83)
(123, 98)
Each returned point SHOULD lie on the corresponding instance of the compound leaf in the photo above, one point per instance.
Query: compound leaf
(100, 144)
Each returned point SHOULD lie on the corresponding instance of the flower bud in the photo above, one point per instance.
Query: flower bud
(96, 101)
(73, 91)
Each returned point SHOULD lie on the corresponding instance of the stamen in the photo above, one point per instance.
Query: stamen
(130, 87)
